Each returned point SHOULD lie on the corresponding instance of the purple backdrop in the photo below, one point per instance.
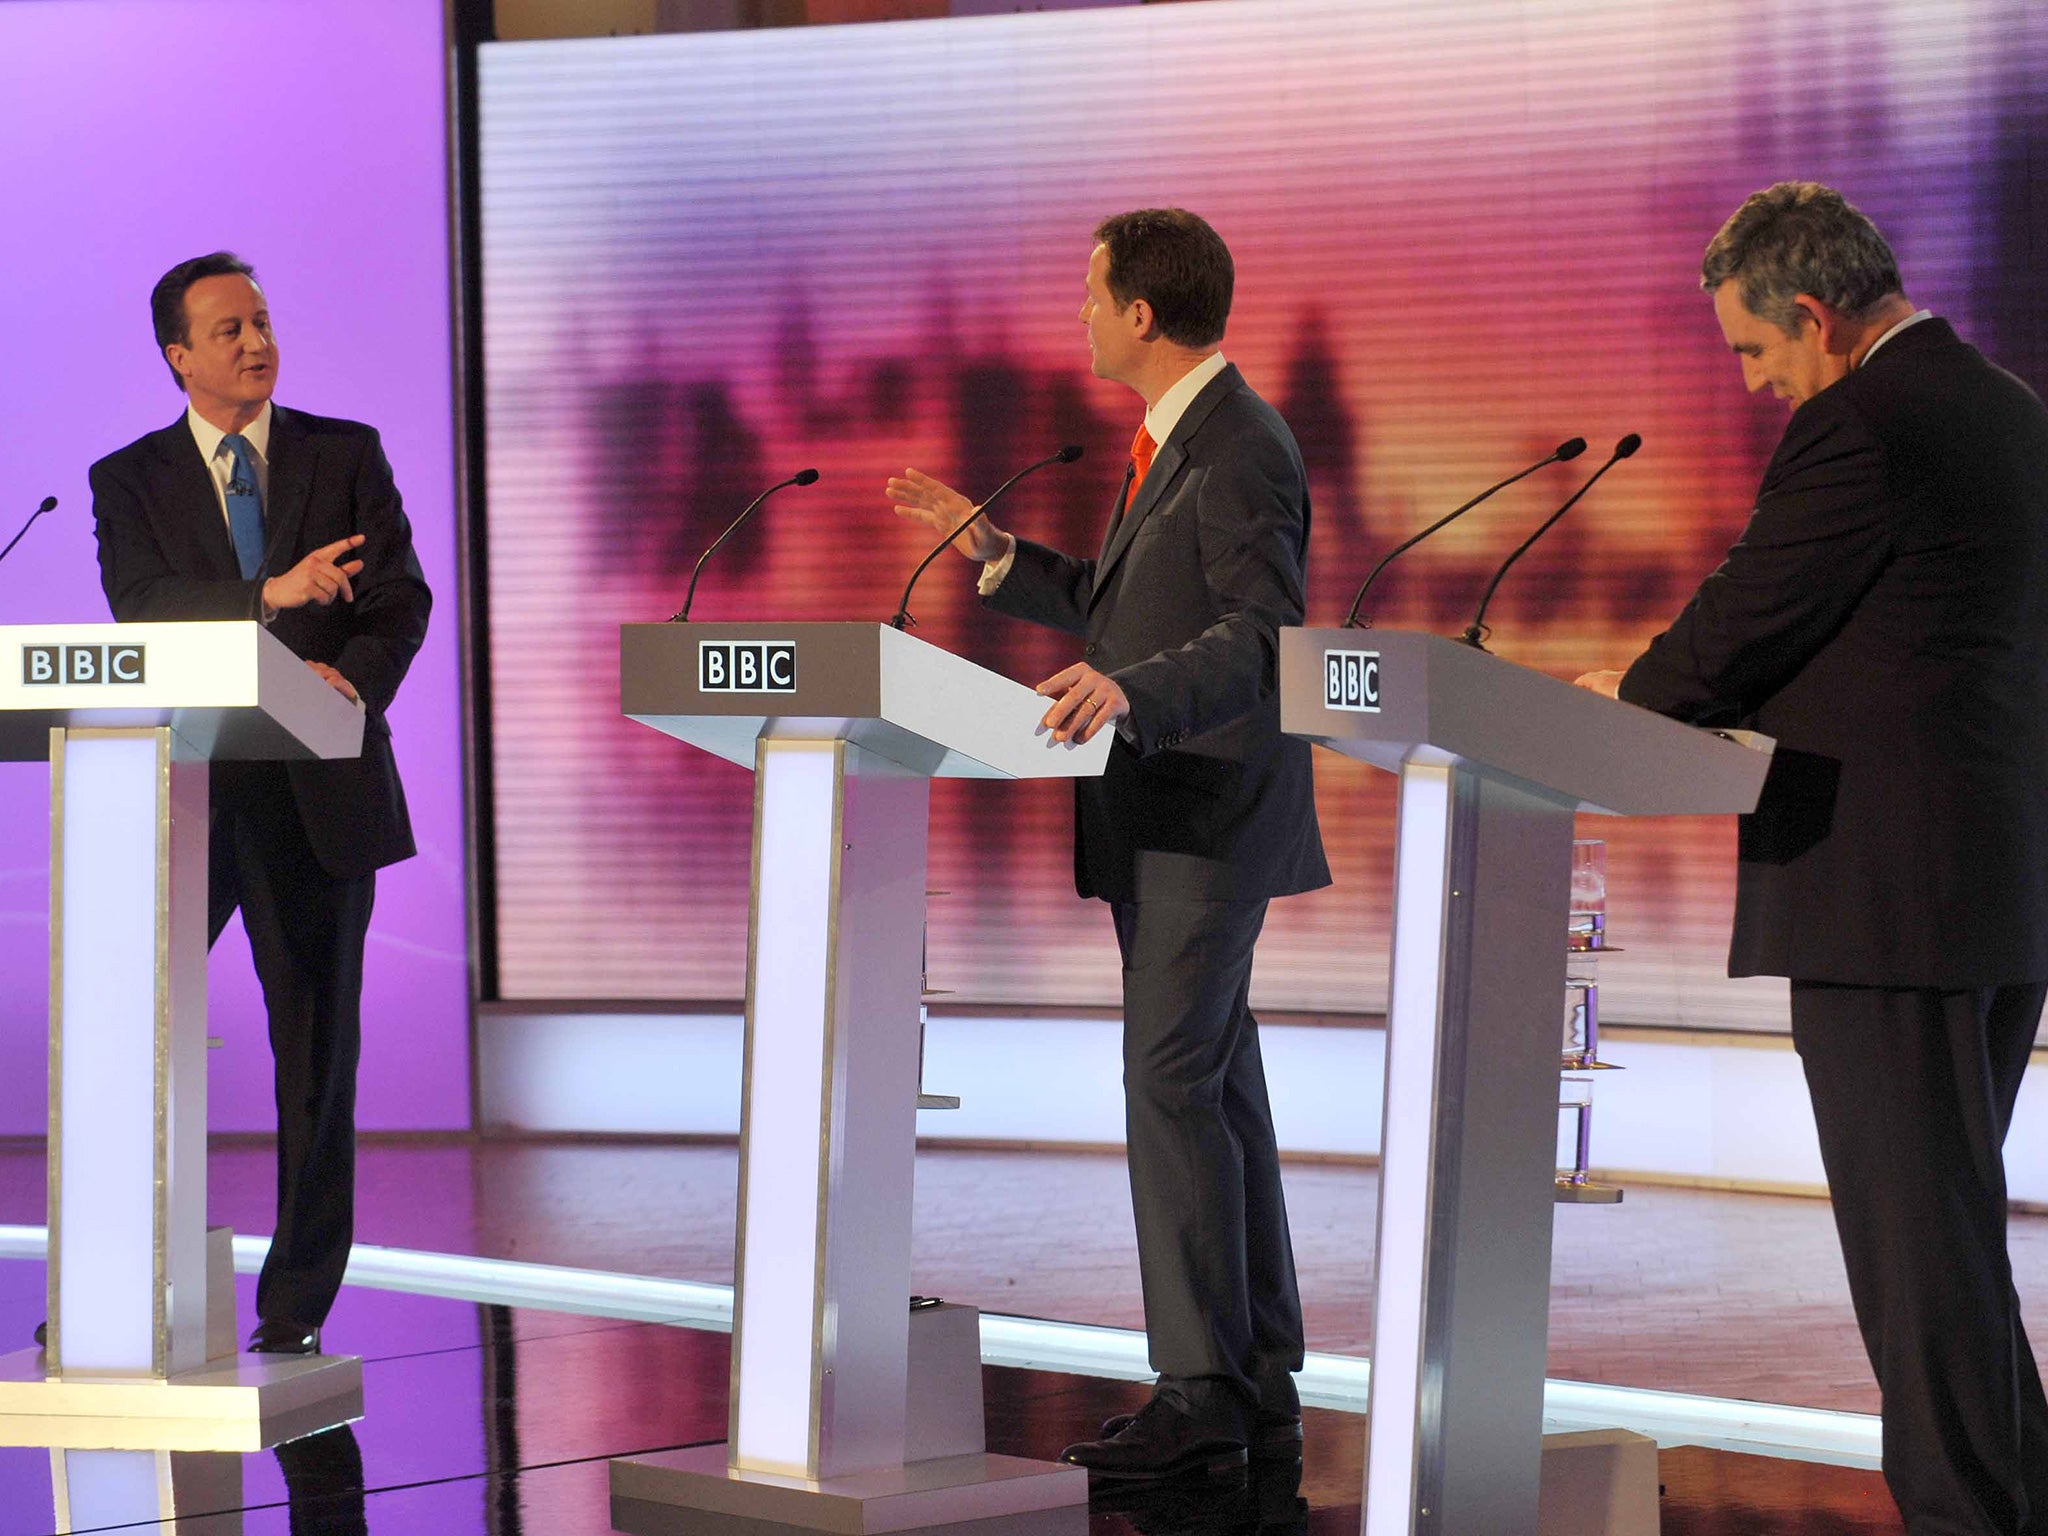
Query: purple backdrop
(309, 135)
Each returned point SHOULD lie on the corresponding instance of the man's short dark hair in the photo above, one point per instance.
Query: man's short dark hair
(167, 298)
(1176, 263)
(1801, 237)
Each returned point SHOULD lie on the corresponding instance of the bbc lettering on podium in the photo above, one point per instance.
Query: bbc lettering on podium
(746, 666)
(1351, 680)
(64, 666)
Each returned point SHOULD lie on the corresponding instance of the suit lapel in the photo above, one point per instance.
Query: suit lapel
(292, 457)
(1116, 523)
(1166, 464)
(191, 503)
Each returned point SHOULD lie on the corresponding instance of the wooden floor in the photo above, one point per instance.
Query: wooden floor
(1691, 1291)
(1731, 1295)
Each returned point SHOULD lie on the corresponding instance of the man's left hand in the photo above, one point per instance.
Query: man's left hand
(1084, 701)
(1607, 683)
(340, 684)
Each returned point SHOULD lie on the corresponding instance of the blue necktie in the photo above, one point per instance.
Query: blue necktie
(245, 507)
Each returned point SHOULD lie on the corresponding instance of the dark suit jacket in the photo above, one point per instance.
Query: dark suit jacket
(1183, 609)
(1885, 617)
(165, 554)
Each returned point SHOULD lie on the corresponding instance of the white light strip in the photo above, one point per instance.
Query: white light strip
(1078, 1349)
(108, 1275)
(795, 848)
(1421, 884)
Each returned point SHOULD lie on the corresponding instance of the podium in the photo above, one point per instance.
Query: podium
(1494, 760)
(845, 726)
(129, 717)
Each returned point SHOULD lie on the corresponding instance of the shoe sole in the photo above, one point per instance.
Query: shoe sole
(1270, 1445)
(1209, 1463)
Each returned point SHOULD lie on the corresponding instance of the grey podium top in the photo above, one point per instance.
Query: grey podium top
(723, 687)
(1392, 696)
(227, 689)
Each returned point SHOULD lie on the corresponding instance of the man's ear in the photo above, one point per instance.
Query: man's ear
(1834, 337)
(1142, 323)
(175, 355)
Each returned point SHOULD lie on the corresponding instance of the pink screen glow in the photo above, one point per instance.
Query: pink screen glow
(714, 259)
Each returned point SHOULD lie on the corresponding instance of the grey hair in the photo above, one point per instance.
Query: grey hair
(1801, 237)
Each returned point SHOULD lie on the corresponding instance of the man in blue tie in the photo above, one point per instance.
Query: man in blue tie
(242, 509)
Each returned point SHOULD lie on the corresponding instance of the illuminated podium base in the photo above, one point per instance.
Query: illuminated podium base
(694, 1492)
(237, 1403)
(947, 1479)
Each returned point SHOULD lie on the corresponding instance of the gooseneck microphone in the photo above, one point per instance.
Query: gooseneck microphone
(902, 619)
(801, 477)
(1570, 448)
(1476, 631)
(49, 505)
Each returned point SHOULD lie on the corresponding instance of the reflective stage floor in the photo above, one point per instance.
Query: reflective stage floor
(495, 1421)
(484, 1421)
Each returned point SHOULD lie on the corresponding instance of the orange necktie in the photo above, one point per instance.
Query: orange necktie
(1142, 449)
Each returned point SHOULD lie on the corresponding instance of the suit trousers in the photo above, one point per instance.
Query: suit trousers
(1912, 1093)
(306, 933)
(1222, 1313)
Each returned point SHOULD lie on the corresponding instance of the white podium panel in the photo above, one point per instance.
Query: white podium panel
(845, 726)
(1494, 760)
(129, 716)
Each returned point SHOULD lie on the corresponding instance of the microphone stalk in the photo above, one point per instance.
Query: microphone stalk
(902, 618)
(1476, 631)
(1570, 448)
(801, 477)
(49, 504)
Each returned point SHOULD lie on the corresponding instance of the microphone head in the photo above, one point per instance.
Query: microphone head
(1628, 445)
(1570, 448)
(1071, 452)
(49, 505)
(804, 477)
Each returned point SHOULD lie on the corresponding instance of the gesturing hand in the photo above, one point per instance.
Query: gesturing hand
(937, 506)
(1087, 702)
(318, 578)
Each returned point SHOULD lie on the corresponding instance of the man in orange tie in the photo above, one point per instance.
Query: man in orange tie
(1204, 812)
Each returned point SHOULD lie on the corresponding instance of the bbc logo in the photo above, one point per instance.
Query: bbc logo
(746, 666)
(1351, 680)
(58, 666)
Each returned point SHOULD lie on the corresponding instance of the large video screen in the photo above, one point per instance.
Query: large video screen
(1462, 234)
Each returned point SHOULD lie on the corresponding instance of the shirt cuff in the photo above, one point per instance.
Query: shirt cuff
(994, 572)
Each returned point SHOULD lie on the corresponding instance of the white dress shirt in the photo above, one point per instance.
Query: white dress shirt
(222, 463)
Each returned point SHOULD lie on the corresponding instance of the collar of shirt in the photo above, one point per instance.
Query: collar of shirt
(208, 436)
(221, 466)
(1913, 319)
(1165, 416)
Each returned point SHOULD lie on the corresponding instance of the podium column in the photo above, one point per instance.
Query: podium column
(127, 1145)
(828, 1119)
(1462, 1288)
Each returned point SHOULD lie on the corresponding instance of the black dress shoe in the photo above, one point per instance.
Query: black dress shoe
(43, 1334)
(1274, 1436)
(1160, 1440)
(271, 1338)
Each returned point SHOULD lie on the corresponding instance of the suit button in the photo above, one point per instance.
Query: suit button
(1090, 648)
